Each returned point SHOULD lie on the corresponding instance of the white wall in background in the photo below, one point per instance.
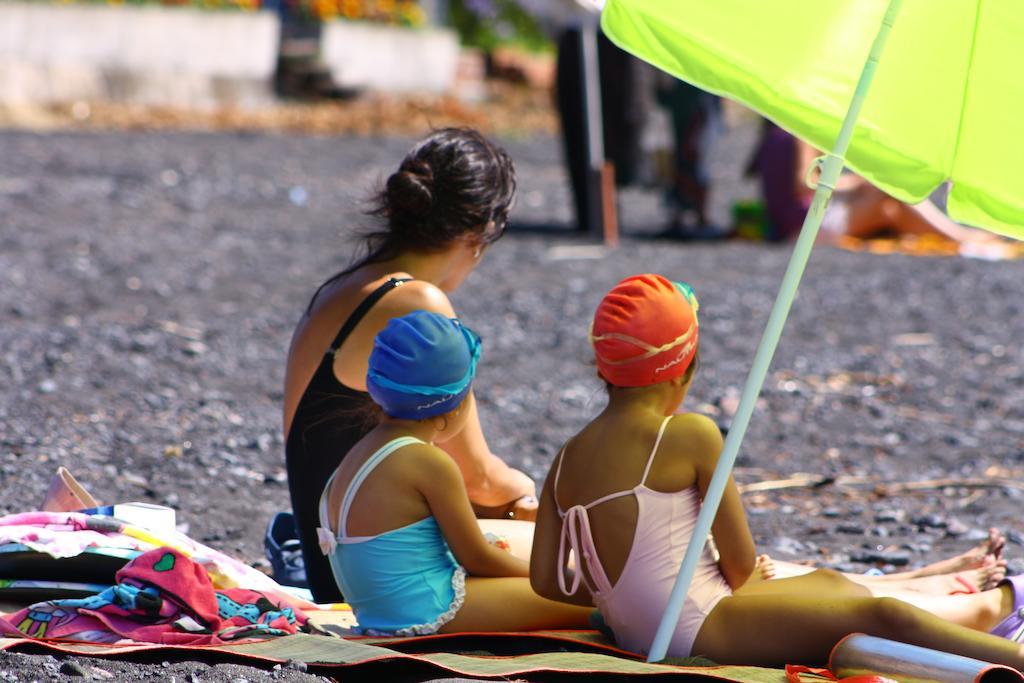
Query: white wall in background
(157, 55)
(390, 59)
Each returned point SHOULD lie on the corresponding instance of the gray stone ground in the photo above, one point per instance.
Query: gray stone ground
(149, 285)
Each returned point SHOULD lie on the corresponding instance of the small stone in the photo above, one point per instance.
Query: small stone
(281, 477)
(73, 668)
(883, 516)
(929, 521)
(298, 195)
(893, 557)
(194, 348)
(918, 548)
(956, 528)
(831, 512)
(296, 665)
(789, 546)
(47, 386)
(850, 528)
(169, 177)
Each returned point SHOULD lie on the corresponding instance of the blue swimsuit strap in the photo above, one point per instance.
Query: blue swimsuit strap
(361, 474)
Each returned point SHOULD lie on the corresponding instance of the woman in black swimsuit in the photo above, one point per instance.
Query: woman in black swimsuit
(447, 202)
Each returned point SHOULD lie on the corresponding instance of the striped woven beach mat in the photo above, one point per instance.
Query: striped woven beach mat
(535, 656)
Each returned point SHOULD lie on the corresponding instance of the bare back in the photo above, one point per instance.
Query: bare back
(609, 456)
(332, 308)
(395, 480)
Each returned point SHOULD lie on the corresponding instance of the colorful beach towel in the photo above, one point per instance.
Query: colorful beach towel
(68, 534)
(164, 597)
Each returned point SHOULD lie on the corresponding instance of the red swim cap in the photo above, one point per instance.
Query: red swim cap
(645, 331)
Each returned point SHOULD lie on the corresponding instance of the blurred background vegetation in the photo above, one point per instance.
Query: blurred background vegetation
(484, 24)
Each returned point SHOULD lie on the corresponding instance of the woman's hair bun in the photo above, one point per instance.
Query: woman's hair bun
(410, 191)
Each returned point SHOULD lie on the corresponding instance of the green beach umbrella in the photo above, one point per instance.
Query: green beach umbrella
(945, 104)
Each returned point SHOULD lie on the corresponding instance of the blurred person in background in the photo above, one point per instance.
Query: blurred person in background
(858, 209)
(622, 108)
(629, 88)
(447, 202)
(695, 116)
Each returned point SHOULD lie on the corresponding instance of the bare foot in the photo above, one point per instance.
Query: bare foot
(994, 571)
(765, 566)
(975, 558)
(968, 581)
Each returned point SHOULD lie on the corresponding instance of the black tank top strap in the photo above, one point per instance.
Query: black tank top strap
(361, 310)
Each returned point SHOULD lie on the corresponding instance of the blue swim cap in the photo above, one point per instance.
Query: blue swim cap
(422, 365)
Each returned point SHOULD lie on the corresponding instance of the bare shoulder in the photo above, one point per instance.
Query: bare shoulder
(699, 433)
(417, 295)
(426, 462)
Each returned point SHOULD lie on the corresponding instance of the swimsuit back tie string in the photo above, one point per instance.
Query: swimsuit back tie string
(577, 538)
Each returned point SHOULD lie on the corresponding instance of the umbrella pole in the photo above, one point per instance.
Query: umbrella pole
(830, 170)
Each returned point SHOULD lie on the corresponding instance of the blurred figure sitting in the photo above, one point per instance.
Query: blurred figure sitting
(858, 209)
(694, 114)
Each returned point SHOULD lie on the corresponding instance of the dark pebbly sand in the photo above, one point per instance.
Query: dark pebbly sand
(149, 285)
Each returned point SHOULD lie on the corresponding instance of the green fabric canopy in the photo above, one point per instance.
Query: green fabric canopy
(947, 103)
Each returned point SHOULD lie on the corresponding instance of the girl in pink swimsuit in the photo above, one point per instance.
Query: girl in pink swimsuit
(624, 496)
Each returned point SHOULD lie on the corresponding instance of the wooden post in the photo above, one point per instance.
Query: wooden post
(609, 214)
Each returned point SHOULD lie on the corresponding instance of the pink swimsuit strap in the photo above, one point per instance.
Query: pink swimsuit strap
(576, 535)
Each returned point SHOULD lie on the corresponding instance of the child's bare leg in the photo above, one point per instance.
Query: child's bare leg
(988, 551)
(979, 611)
(982, 566)
(509, 604)
(818, 610)
(982, 579)
(968, 581)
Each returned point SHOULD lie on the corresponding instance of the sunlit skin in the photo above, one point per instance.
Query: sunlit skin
(488, 479)
(818, 609)
(421, 480)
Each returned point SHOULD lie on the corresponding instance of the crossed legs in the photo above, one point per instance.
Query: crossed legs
(980, 568)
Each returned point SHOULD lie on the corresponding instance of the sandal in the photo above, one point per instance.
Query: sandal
(523, 508)
(1012, 627)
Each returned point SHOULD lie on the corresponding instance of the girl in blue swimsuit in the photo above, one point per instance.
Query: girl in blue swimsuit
(395, 518)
